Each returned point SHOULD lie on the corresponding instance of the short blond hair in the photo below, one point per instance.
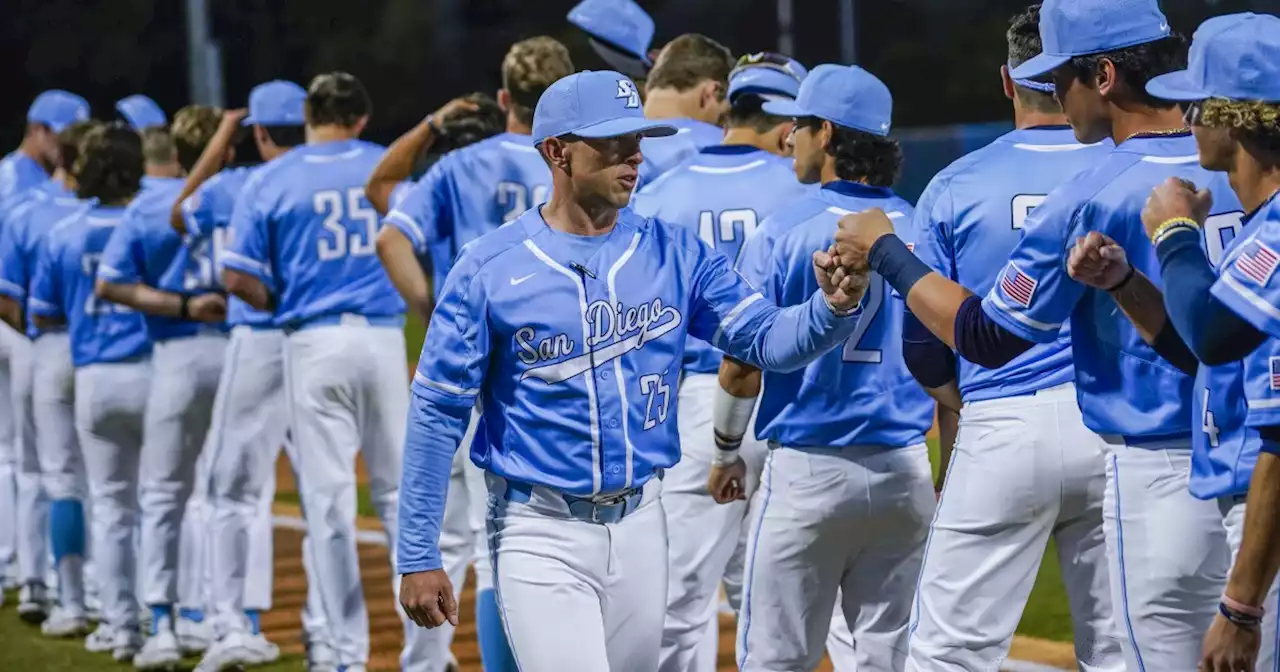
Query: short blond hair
(192, 128)
(531, 66)
(689, 60)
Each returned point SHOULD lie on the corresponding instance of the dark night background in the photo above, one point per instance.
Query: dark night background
(939, 57)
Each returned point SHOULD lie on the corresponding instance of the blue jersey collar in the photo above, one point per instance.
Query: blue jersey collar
(729, 150)
(857, 189)
(1265, 205)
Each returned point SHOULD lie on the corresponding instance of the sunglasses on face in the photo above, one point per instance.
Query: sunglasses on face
(1193, 113)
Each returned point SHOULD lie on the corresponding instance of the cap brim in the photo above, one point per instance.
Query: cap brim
(784, 108)
(1038, 65)
(626, 126)
(1175, 86)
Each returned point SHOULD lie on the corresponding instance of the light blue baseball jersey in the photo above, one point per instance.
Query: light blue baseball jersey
(722, 192)
(971, 217)
(858, 394)
(1248, 283)
(575, 351)
(23, 237)
(663, 154)
(145, 249)
(304, 226)
(468, 193)
(18, 173)
(207, 216)
(1124, 387)
(101, 331)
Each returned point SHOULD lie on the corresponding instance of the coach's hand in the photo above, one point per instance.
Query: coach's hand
(858, 232)
(211, 307)
(1229, 647)
(1175, 198)
(842, 288)
(427, 598)
(728, 483)
(1097, 261)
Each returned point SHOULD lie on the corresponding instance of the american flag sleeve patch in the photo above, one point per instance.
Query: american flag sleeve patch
(1275, 373)
(1258, 262)
(1018, 286)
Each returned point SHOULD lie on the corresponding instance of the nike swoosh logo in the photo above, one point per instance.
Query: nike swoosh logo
(516, 281)
(562, 371)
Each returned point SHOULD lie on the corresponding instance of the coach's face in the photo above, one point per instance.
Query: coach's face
(1083, 104)
(604, 168)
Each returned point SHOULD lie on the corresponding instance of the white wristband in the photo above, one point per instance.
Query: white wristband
(731, 417)
(724, 458)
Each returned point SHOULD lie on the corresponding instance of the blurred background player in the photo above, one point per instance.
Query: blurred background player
(48, 399)
(247, 431)
(303, 237)
(620, 32)
(466, 194)
(1020, 420)
(1104, 54)
(22, 169)
(722, 193)
(687, 89)
(141, 112)
(145, 267)
(110, 350)
(846, 489)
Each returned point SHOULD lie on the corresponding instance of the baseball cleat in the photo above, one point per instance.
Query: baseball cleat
(321, 658)
(101, 640)
(126, 646)
(193, 637)
(238, 649)
(159, 652)
(64, 623)
(32, 603)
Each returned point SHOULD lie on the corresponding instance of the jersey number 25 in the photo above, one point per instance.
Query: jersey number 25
(342, 235)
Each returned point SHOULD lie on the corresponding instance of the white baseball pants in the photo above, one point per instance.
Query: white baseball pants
(33, 503)
(1024, 469)
(576, 595)
(850, 519)
(111, 402)
(348, 391)
(707, 541)
(179, 411)
(8, 462)
(1168, 556)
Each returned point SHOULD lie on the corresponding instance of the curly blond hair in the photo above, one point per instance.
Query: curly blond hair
(1259, 121)
(531, 66)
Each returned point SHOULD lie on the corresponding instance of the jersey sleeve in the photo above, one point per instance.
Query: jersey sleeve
(423, 214)
(202, 209)
(13, 272)
(455, 354)
(1033, 295)
(1248, 284)
(46, 282)
(934, 222)
(123, 258)
(247, 247)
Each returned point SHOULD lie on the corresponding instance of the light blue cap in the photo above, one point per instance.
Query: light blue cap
(1070, 28)
(1236, 56)
(276, 103)
(57, 109)
(844, 95)
(620, 32)
(141, 112)
(593, 104)
(767, 75)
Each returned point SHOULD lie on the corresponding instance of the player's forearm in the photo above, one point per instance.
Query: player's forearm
(1212, 330)
(405, 272)
(431, 439)
(248, 288)
(140, 297)
(948, 427)
(397, 164)
(48, 322)
(208, 165)
(1143, 304)
(732, 406)
(1259, 558)
(788, 339)
(11, 312)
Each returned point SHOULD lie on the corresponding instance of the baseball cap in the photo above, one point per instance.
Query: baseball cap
(593, 104)
(57, 109)
(1070, 28)
(844, 95)
(276, 103)
(1236, 56)
(771, 76)
(141, 112)
(618, 30)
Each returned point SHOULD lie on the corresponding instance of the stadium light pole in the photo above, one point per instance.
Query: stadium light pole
(848, 33)
(204, 58)
(786, 39)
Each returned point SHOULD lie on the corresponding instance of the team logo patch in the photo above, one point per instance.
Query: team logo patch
(1258, 262)
(627, 90)
(1275, 373)
(1018, 286)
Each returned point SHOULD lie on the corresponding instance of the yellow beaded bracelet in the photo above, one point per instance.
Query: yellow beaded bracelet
(1171, 225)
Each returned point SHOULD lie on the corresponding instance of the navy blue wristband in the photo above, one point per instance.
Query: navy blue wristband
(899, 266)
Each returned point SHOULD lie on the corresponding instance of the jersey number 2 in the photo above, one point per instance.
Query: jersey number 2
(872, 302)
(337, 240)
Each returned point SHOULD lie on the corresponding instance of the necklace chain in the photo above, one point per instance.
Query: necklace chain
(1155, 134)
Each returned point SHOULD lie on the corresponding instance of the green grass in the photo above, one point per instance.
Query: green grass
(1047, 615)
(23, 649)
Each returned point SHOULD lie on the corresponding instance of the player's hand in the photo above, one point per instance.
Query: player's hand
(728, 483)
(1229, 647)
(857, 233)
(451, 109)
(1175, 198)
(231, 120)
(211, 307)
(842, 288)
(427, 598)
(1097, 261)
